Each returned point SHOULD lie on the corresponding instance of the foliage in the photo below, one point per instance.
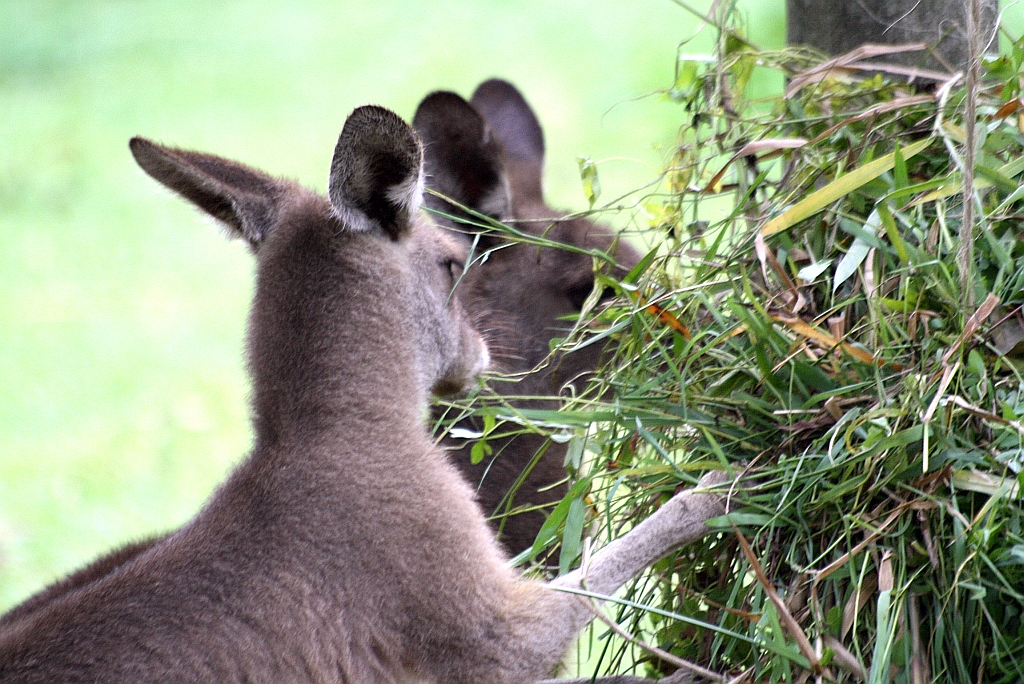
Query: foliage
(802, 321)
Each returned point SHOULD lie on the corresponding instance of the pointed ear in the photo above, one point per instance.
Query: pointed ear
(462, 158)
(376, 178)
(243, 198)
(512, 119)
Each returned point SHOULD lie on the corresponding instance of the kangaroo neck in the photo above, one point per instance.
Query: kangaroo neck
(321, 376)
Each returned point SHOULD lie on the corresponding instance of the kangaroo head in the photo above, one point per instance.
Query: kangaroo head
(488, 156)
(376, 183)
(360, 269)
(464, 160)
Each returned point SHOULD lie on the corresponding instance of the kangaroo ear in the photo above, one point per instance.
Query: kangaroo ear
(376, 178)
(512, 119)
(243, 198)
(463, 160)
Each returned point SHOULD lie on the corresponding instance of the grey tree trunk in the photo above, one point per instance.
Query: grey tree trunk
(838, 26)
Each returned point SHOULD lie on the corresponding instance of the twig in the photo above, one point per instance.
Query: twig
(705, 20)
(789, 623)
(965, 254)
(679, 677)
(868, 51)
(664, 655)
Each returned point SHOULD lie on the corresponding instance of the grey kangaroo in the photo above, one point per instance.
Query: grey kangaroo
(488, 155)
(519, 295)
(345, 548)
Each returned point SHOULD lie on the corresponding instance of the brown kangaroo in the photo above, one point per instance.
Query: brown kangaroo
(345, 548)
(488, 155)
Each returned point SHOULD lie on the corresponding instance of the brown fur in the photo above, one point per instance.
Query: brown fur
(95, 570)
(345, 548)
(488, 155)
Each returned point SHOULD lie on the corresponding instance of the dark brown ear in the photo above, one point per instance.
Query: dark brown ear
(462, 159)
(376, 178)
(243, 198)
(513, 121)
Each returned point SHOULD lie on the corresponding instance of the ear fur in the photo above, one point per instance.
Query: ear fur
(462, 158)
(241, 197)
(511, 118)
(376, 180)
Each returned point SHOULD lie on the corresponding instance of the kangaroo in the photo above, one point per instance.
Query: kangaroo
(345, 548)
(519, 295)
(488, 155)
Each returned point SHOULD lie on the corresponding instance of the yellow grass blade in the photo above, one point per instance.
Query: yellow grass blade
(840, 187)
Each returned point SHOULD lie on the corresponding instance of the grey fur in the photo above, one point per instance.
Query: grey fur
(379, 184)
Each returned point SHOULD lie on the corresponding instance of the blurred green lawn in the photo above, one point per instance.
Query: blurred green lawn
(122, 391)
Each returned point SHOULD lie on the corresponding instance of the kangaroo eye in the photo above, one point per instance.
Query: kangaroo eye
(579, 292)
(454, 267)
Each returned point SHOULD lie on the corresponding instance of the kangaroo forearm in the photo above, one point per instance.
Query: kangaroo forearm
(680, 521)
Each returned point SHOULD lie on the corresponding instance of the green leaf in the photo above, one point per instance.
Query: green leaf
(893, 233)
(1011, 198)
(481, 449)
(997, 178)
(572, 536)
(884, 629)
(858, 251)
(641, 267)
(942, 182)
(975, 363)
(549, 530)
(834, 619)
(591, 183)
(899, 170)
(896, 305)
(840, 187)
(686, 79)
(952, 183)
(1013, 168)
(810, 273)
(574, 451)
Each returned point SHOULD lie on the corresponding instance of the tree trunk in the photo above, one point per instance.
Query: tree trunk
(838, 26)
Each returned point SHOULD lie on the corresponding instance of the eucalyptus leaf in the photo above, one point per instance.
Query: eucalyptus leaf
(591, 183)
(858, 251)
(810, 273)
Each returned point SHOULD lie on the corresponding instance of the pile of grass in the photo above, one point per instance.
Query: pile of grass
(816, 317)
